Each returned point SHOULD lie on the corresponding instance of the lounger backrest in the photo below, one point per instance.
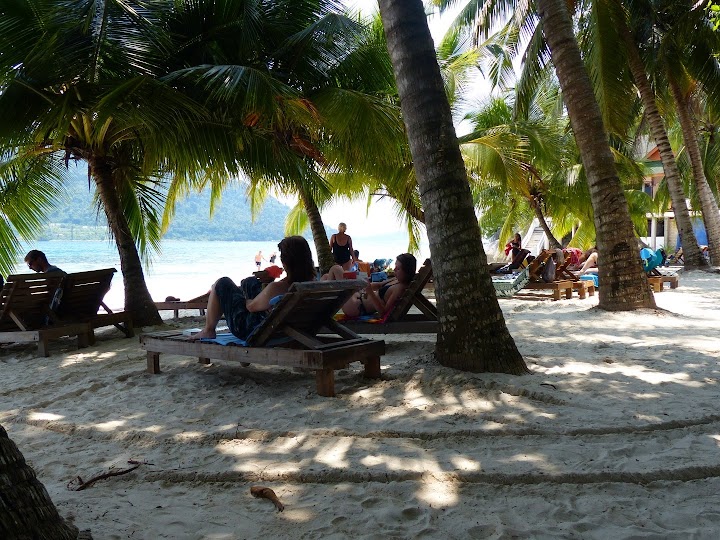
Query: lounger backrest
(407, 299)
(537, 264)
(26, 300)
(83, 292)
(305, 308)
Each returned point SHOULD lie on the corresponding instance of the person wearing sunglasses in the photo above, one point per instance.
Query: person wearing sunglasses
(37, 262)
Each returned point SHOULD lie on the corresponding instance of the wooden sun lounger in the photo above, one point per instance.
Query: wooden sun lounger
(298, 318)
(399, 321)
(582, 286)
(25, 314)
(82, 301)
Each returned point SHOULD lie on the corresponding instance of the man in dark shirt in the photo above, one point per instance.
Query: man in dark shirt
(37, 261)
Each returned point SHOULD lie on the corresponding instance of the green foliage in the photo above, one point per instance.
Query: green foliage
(713, 8)
(76, 216)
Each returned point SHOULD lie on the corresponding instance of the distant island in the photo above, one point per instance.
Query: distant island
(76, 217)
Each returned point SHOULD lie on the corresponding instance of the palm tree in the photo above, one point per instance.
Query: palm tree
(308, 91)
(473, 335)
(28, 191)
(79, 82)
(26, 510)
(658, 130)
(619, 268)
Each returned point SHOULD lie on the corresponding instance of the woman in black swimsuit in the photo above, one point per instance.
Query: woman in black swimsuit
(381, 297)
(341, 246)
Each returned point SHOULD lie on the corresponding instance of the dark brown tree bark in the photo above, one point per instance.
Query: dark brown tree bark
(26, 511)
(694, 258)
(624, 284)
(322, 245)
(554, 244)
(138, 301)
(708, 204)
(473, 335)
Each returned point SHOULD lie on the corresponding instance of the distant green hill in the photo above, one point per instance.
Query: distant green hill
(77, 219)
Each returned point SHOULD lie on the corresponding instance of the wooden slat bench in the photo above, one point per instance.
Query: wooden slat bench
(297, 319)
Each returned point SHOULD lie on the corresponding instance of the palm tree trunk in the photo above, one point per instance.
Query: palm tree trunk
(138, 301)
(322, 246)
(624, 284)
(473, 335)
(26, 510)
(694, 258)
(708, 205)
(554, 244)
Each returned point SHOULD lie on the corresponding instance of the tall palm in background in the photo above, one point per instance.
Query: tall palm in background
(473, 335)
(79, 82)
(622, 272)
(308, 90)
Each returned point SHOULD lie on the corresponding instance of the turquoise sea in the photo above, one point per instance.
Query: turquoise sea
(187, 269)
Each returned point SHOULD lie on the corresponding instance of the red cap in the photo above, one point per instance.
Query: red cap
(274, 271)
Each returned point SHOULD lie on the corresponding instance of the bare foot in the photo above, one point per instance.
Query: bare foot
(204, 333)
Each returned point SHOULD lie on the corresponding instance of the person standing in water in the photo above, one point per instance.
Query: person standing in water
(258, 259)
(273, 257)
(342, 249)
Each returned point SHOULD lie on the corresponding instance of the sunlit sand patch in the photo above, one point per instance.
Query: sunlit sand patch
(438, 493)
(110, 426)
(44, 416)
(335, 454)
(462, 463)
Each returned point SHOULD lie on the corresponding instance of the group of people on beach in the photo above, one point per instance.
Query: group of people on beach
(240, 305)
(579, 260)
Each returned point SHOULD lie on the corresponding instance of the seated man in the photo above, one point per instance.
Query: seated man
(37, 261)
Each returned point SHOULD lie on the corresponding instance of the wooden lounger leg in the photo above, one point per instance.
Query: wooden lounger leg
(581, 291)
(203, 360)
(372, 367)
(556, 293)
(568, 293)
(325, 382)
(153, 362)
(84, 340)
(43, 346)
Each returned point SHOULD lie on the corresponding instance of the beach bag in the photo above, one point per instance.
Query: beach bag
(548, 273)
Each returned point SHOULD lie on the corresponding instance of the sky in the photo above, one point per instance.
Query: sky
(381, 218)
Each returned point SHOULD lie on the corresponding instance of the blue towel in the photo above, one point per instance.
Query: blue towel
(225, 339)
(591, 277)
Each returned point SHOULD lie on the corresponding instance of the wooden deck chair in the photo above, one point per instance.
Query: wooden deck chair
(199, 303)
(287, 337)
(82, 301)
(558, 288)
(584, 288)
(25, 314)
(399, 320)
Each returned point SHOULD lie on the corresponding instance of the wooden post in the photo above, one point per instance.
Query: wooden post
(372, 367)
(203, 360)
(153, 362)
(325, 382)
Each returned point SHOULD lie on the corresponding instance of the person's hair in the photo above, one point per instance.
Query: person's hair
(518, 237)
(356, 253)
(342, 226)
(35, 254)
(409, 265)
(296, 257)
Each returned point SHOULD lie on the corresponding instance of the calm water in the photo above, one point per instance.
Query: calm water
(187, 269)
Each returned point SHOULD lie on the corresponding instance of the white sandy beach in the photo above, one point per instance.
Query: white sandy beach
(615, 434)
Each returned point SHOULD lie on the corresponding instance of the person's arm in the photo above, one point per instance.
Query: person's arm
(382, 306)
(352, 251)
(262, 301)
(332, 239)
